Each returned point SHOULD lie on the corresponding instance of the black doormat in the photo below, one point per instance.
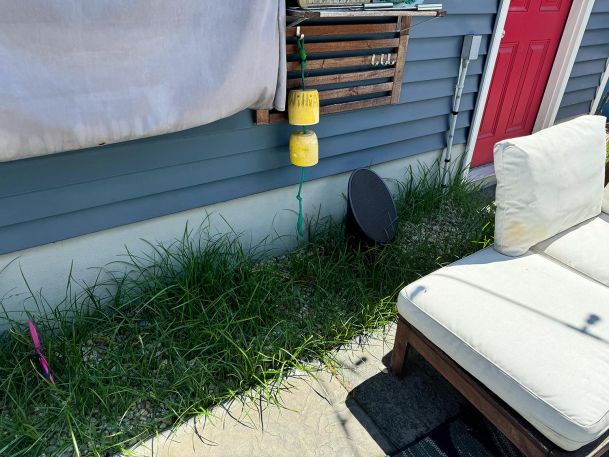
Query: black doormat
(467, 435)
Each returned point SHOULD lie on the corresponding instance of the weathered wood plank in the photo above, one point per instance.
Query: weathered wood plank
(404, 25)
(278, 116)
(262, 116)
(334, 62)
(341, 78)
(360, 104)
(400, 349)
(357, 90)
(353, 45)
(344, 29)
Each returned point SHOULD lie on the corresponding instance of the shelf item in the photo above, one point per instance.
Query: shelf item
(328, 3)
(313, 13)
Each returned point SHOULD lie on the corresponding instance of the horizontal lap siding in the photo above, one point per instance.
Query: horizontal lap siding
(590, 64)
(56, 197)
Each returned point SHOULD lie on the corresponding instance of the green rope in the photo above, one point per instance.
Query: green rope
(299, 198)
(303, 63)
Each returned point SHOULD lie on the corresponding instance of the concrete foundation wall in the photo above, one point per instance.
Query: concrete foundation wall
(269, 216)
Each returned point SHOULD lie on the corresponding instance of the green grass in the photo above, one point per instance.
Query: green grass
(205, 321)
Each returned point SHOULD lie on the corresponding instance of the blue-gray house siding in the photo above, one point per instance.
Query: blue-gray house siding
(589, 66)
(60, 196)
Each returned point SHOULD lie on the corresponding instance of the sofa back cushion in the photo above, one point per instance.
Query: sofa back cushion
(548, 182)
(605, 208)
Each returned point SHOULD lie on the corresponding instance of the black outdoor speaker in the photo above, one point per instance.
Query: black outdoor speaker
(371, 213)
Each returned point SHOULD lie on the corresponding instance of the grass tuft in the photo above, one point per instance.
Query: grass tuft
(205, 321)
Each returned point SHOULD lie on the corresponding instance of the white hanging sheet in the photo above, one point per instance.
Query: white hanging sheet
(79, 73)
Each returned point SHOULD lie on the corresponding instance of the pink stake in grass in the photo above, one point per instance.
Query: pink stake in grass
(43, 362)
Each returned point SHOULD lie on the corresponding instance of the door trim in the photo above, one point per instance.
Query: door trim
(485, 84)
(557, 81)
(601, 89)
(563, 64)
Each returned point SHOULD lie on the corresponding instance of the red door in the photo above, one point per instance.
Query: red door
(532, 34)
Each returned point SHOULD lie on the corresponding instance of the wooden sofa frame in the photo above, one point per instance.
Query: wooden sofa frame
(517, 429)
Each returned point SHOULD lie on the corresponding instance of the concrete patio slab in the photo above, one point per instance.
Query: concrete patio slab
(357, 409)
(312, 421)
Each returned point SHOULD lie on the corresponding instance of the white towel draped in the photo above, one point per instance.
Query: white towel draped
(75, 74)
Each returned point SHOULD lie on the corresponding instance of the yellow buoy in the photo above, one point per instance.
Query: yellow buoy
(303, 107)
(304, 149)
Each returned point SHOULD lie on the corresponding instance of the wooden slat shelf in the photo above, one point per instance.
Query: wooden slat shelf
(312, 13)
(368, 73)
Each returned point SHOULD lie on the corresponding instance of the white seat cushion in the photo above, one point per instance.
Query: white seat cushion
(606, 200)
(534, 332)
(548, 182)
(585, 248)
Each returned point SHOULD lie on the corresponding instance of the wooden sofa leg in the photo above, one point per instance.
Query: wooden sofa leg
(400, 349)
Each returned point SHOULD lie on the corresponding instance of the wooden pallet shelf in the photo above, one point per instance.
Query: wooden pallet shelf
(342, 56)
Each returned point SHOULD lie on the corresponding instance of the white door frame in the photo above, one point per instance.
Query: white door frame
(563, 64)
(557, 81)
(601, 89)
(485, 84)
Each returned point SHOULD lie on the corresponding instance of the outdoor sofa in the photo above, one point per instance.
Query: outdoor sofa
(521, 328)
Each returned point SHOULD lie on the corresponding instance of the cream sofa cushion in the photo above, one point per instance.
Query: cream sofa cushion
(548, 182)
(534, 332)
(606, 200)
(584, 248)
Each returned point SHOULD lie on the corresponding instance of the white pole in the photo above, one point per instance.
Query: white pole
(453, 120)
